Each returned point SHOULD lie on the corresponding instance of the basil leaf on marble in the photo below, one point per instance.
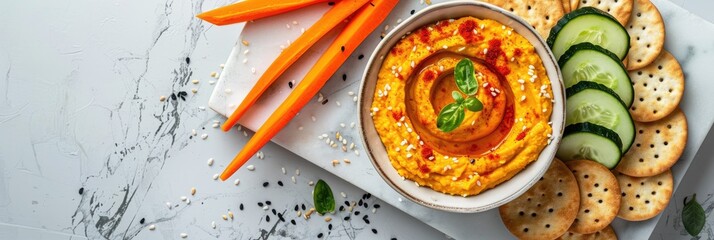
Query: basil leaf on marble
(465, 77)
(450, 117)
(457, 96)
(322, 197)
(693, 216)
(473, 104)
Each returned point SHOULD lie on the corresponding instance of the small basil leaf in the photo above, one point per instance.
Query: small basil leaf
(322, 198)
(693, 216)
(450, 117)
(465, 77)
(473, 104)
(457, 96)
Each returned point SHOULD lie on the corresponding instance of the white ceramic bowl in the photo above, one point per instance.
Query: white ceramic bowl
(425, 196)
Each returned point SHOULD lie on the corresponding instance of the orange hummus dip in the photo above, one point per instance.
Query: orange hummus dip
(415, 82)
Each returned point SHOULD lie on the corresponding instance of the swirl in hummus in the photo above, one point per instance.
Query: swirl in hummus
(415, 82)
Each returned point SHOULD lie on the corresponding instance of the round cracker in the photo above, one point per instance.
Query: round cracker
(658, 145)
(541, 15)
(644, 198)
(547, 209)
(658, 88)
(605, 234)
(599, 196)
(620, 9)
(646, 29)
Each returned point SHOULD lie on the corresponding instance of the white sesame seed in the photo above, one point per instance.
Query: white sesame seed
(523, 98)
(236, 182)
(213, 224)
(287, 26)
(485, 51)
(310, 183)
(295, 22)
(152, 227)
(374, 210)
(293, 179)
(211, 82)
(454, 178)
(183, 198)
(245, 134)
(193, 90)
(399, 21)
(204, 136)
(215, 176)
(162, 98)
(444, 47)
(222, 65)
(346, 161)
(399, 199)
(356, 152)
(265, 208)
(343, 194)
(297, 172)
(193, 132)
(252, 70)
(302, 30)
(250, 167)
(195, 81)
(214, 74)
(193, 191)
(338, 103)
(188, 201)
(283, 170)
(260, 155)
(478, 182)
(245, 60)
(168, 204)
(215, 125)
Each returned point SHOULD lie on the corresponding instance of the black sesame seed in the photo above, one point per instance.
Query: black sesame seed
(274, 212)
(173, 96)
(280, 216)
(366, 205)
(412, 12)
(366, 221)
(241, 207)
(280, 183)
(265, 184)
(296, 207)
(81, 191)
(360, 57)
(267, 218)
(260, 204)
(319, 235)
(344, 77)
(292, 221)
(324, 101)
(142, 221)
(356, 213)
(329, 226)
(342, 48)
(376, 205)
(290, 84)
(342, 208)
(347, 203)
(331, 3)
(268, 202)
(369, 195)
(472, 161)
(303, 207)
(188, 60)
(347, 218)
(360, 202)
(393, 239)
(374, 231)
(364, 196)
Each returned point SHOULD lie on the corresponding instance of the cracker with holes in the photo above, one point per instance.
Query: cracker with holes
(605, 234)
(566, 6)
(644, 197)
(547, 209)
(620, 9)
(541, 14)
(646, 29)
(599, 196)
(658, 145)
(658, 88)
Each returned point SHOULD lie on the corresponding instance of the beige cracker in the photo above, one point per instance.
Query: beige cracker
(566, 6)
(541, 15)
(644, 198)
(658, 145)
(646, 29)
(620, 9)
(658, 88)
(547, 209)
(574, 4)
(599, 196)
(605, 234)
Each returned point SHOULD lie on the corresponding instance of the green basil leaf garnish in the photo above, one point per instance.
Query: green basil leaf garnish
(322, 197)
(473, 104)
(693, 216)
(457, 96)
(465, 77)
(450, 117)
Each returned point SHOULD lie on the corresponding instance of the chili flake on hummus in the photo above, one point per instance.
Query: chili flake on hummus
(415, 82)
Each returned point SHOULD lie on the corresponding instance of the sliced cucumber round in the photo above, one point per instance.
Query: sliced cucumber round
(590, 141)
(588, 62)
(592, 25)
(594, 103)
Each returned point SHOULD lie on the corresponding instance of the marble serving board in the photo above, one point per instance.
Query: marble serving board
(688, 38)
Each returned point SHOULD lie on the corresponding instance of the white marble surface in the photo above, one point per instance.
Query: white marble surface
(316, 118)
(79, 108)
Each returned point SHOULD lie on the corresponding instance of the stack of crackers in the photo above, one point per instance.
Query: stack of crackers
(579, 199)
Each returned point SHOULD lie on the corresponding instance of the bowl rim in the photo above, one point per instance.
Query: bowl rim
(375, 63)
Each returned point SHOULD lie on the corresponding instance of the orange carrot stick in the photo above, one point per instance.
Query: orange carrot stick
(334, 16)
(247, 10)
(360, 26)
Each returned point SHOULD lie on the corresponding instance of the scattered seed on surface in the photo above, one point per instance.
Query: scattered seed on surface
(236, 182)
(265, 184)
(215, 176)
(152, 227)
(250, 167)
(162, 98)
(204, 136)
